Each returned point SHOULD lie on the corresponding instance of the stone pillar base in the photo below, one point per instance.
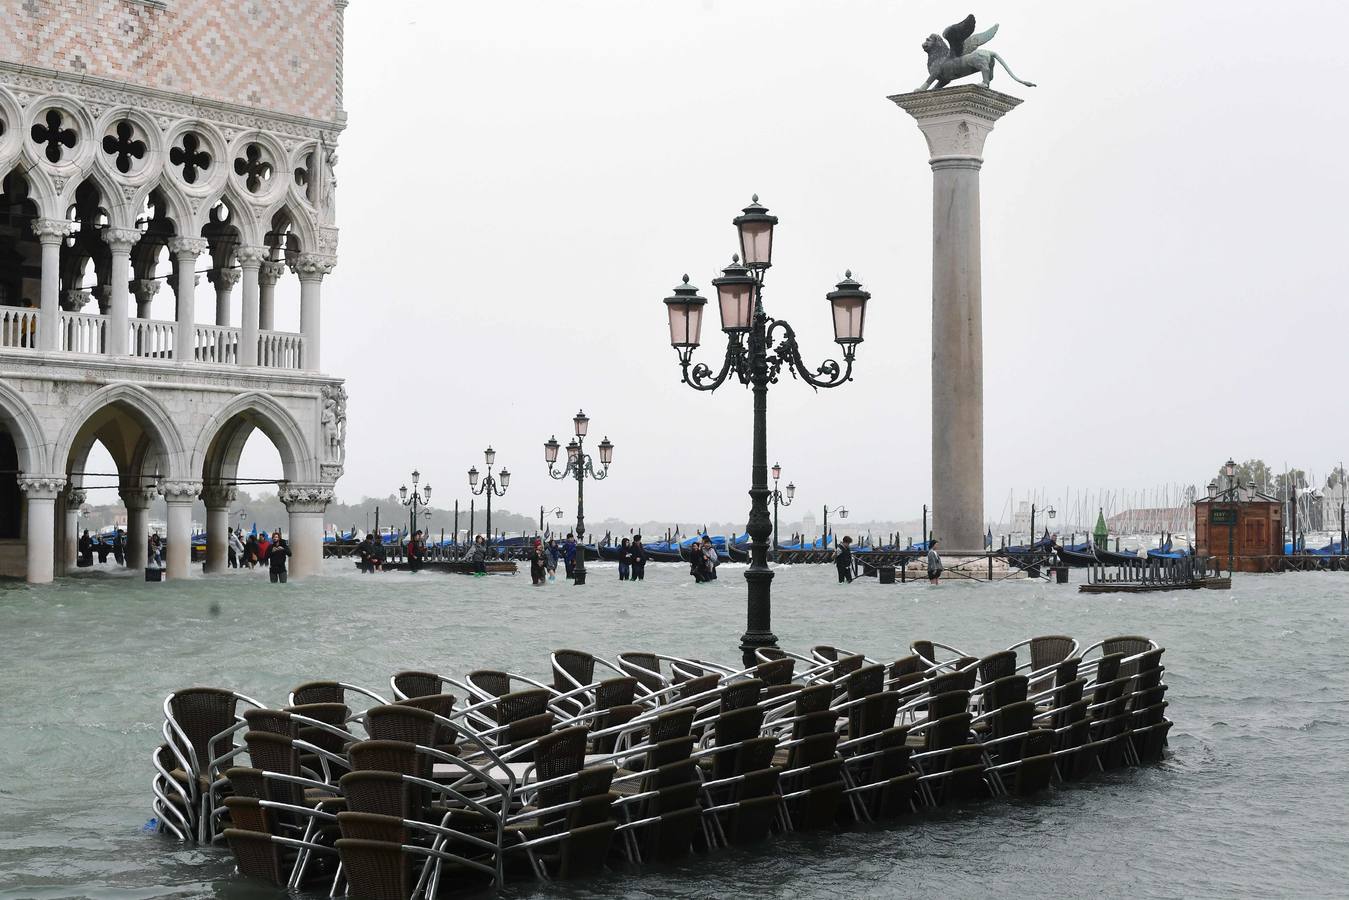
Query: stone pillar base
(306, 504)
(180, 495)
(40, 529)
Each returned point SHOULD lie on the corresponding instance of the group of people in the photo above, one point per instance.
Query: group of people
(370, 553)
(703, 561)
(85, 549)
(256, 550)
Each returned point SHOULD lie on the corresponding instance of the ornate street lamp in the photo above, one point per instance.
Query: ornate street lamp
(842, 514)
(555, 511)
(758, 348)
(419, 497)
(785, 499)
(579, 466)
(491, 485)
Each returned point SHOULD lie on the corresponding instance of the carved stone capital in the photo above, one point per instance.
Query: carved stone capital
(219, 496)
(145, 288)
(75, 498)
(224, 279)
(956, 120)
(74, 299)
(140, 498)
(179, 491)
(313, 266)
(186, 247)
(252, 257)
(327, 239)
(42, 487)
(121, 240)
(331, 472)
(53, 231)
(312, 498)
(270, 271)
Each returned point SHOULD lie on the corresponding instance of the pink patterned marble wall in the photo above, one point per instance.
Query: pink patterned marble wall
(277, 55)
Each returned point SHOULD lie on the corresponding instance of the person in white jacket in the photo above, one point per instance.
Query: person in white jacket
(236, 549)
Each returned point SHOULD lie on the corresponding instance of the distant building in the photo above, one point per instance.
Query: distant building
(1242, 523)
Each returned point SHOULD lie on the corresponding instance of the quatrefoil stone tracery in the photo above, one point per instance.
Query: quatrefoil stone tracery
(190, 157)
(53, 133)
(123, 146)
(254, 168)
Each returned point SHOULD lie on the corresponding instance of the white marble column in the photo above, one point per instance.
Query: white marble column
(268, 274)
(311, 267)
(250, 260)
(956, 121)
(119, 241)
(185, 252)
(137, 503)
(50, 233)
(224, 281)
(179, 495)
(70, 534)
(218, 498)
(41, 492)
(145, 289)
(306, 504)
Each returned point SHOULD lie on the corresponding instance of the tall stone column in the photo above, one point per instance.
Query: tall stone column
(185, 252)
(120, 241)
(179, 495)
(70, 533)
(224, 281)
(137, 503)
(251, 260)
(956, 121)
(311, 267)
(268, 274)
(41, 492)
(218, 498)
(306, 504)
(145, 289)
(50, 233)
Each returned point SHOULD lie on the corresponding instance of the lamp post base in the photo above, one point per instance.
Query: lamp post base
(578, 577)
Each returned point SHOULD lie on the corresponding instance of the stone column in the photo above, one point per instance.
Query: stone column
(185, 252)
(218, 498)
(955, 121)
(268, 274)
(145, 289)
(50, 233)
(120, 241)
(224, 281)
(137, 504)
(311, 267)
(180, 495)
(70, 536)
(306, 504)
(250, 260)
(40, 527)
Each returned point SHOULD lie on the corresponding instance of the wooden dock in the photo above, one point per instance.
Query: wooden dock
(455, 567)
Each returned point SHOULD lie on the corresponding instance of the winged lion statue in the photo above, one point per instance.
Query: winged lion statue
(955, 53)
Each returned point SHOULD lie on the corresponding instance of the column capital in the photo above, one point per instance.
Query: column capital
(75, 498)
(138, 498)
(121, 240)
(956, 120)
(252, 257)
(219, 496)
(188, 246)
(270, 271)
(53, 231)
(179, 491)
(306, 497)
(224, 279)
(42, 487)
(313, 266)
(145, 288)
(74, 299)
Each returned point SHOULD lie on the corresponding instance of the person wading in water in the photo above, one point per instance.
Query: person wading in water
(843, 560)
(934, 566)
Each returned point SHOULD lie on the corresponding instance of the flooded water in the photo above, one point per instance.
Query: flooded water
(1251, 802)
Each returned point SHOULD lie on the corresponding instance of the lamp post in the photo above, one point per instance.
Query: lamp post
(556, 510)
(490, 485)
(779, 498)
(1230, 476)
(413, 501)
(579, 466)
(842, 512)
(757, 349)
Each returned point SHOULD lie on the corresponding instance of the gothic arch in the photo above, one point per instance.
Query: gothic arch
(159, 439)
(302, 226)
(176, 207)
(216, 456)
(23, 426)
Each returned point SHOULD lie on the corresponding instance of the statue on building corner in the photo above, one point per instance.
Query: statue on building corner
(334, 421)
(955, 54)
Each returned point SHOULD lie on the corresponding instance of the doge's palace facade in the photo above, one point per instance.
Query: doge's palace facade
(145, 144)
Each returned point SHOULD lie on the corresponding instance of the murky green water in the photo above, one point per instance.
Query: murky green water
(1253, 802)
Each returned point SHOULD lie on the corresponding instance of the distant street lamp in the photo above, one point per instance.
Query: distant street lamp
(757, 358)
(779, 498)
(579, 466)
(555, 511)
(842, 514)
(490, 485)
(419, 497)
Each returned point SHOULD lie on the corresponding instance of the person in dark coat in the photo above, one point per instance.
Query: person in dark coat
(569, 553)
(843, 560)
(416, 551)
(538, 563)
(276, 558)
(119, 546)
(637, 557)
(85, 546)
(251, 551)
(624, 560)
(699, 567)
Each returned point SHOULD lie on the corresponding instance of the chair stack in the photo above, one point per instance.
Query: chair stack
(449, 784)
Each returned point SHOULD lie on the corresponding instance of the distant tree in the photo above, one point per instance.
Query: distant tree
(1336, 477)
(1285, 482)
(1251, 470)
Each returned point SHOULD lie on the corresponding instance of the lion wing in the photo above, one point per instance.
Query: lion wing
(956, 35)
(974, 42)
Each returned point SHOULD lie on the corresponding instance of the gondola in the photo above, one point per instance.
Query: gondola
(1113, 558)
(1077, 559)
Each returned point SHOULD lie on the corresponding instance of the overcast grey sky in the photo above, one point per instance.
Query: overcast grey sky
(521, 183)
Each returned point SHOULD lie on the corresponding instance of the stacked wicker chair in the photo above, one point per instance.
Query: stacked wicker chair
(451, 785)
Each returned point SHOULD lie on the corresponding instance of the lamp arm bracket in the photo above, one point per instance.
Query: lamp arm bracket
(787, 352)
(699, 375)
